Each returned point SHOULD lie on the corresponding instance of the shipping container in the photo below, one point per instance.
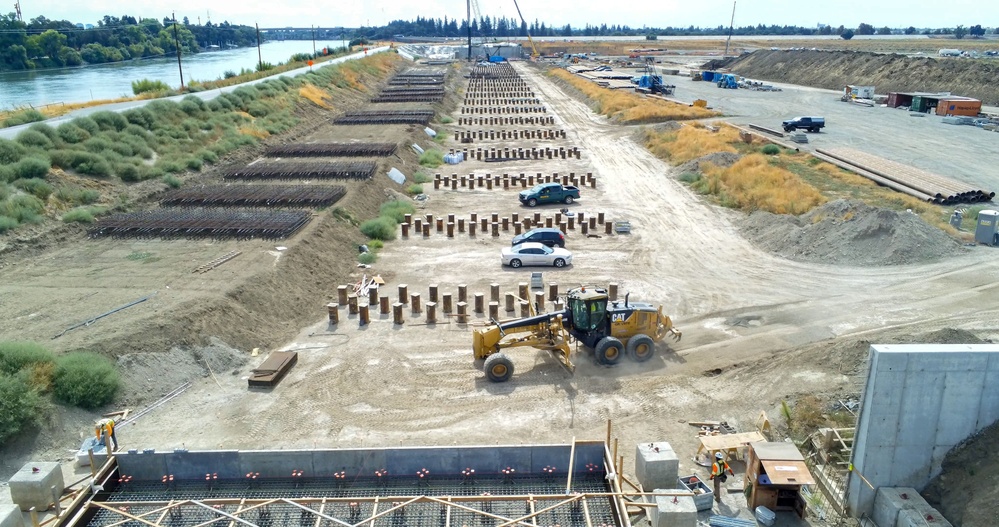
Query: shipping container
(918, 104)
(968, 107)
(896, 99)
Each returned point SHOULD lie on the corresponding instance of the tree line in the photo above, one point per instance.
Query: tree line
(44, 43)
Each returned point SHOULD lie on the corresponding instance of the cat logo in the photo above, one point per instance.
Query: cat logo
(617, 317)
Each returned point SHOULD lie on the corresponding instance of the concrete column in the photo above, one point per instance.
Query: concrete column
(334, 310)
(479, 302)
(515, 217)
(405, 230)
(581, 216)
(363, 315)
(426, 230)
(341, 295)
(593, 223)
(549, 222)
(450, 230)
(523, 291)
(506, 224)
(447, 303)
(471, 229)
(608, 228)
(495, 230)
(494, 310)
(600, 217)
(517, 228)
(383, 305)
(461, 225)
(509, 302)
(372, 295)
(485, 224)
(612, 291)
(539, 300)
(494, 292)
(462, 293)
(408, 218)
(525, 308)
(429, 218)
(553, 290)
(583, 228)
(440, 225)
(404, 293)
(397, 313)
(431, 312)
(352, 304)
(462, 312)
(564, 227)
(433, 292)
(572, 222)
(414, 303)
(417, 226)
(473, 217)
(558, 217)
(450, 218)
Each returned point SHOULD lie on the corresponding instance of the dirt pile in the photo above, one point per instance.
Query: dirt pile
(967, 490)
(888, 72)
(151, 375)
(849, 233)
(719, 159)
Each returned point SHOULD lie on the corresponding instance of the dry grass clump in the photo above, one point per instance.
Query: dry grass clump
(752, 183)
(254, 131)
(315, 95)
(690, 142)
(630, 108)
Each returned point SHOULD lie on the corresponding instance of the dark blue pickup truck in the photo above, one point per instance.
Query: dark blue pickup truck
(549, 193)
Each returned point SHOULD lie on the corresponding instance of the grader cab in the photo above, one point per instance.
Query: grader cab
(610, 329)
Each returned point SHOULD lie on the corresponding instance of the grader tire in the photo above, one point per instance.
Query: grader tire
(498, 368)
(641, 348)
(609, 351)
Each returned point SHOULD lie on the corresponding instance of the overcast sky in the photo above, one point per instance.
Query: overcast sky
(635, 13)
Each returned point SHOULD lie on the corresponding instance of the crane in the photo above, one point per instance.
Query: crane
(534, 49)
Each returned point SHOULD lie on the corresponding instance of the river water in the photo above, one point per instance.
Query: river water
(109, 81)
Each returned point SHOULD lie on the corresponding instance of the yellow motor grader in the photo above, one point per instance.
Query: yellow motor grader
(610, 329)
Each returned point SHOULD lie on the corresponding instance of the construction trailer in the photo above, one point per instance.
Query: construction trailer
(858, 92)
(943, 104)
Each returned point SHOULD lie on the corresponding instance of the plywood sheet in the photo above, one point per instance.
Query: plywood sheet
(783, 472)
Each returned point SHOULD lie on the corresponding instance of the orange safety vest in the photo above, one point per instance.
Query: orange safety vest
(719, 467)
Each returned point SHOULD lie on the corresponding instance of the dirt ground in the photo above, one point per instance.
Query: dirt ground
(758, 328)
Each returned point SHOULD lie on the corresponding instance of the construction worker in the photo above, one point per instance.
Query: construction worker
(718, 470)
(104, 431)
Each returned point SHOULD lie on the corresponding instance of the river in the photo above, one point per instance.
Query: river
(109, 81)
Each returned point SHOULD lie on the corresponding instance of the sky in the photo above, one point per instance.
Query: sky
(578, 13)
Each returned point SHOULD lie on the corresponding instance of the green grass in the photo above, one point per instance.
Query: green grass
(7, 223)
(396, 209)
(172, 181)
(380, 228)
(85, 379)
(446, 120)
(77, 195)
(374, 245)
(770, 150)
(421, 177)
(36, 187)
(82, 214)
(432, 158)
(413, 190)
(22, 208)
(24, 117)
(146, 85)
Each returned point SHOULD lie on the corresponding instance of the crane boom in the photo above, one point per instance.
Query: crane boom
(534, 49)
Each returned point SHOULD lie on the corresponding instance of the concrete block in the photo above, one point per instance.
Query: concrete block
(673, 511)
(32, 485)
(921, 517)
(10, 516)
(656, 465)
(889, 501)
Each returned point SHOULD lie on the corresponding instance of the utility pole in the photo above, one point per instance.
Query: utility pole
(313, 41)
(260, 58)
(176, 41)
(731, 25)
(468, 6)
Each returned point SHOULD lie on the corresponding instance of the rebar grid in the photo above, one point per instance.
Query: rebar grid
(422, 514)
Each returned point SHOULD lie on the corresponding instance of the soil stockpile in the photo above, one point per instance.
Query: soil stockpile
(889, 73)
(967, 490)
(849, 233)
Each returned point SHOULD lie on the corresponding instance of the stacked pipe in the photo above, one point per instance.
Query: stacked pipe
(921, 184)
(256, 195)
(386, 117)
(202, 222)
(331, 150)
(303, 170)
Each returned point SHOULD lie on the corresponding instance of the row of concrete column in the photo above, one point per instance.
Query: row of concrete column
(503, 109)
(449, 305)
(525, 120)
(484, 101)
(481, 135)
(534, 152)
(512, 180)
(505, 224)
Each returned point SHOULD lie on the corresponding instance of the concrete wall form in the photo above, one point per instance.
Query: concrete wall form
(920, 400)
(229, 464)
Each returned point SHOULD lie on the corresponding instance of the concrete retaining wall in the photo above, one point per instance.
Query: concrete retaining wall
(920, 401)
(229, 464)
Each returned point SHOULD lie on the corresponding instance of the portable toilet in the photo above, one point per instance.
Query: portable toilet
(987, 229)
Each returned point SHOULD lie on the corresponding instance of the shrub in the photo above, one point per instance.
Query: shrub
(380, 228)
(84, 379)
(88, 124)
(6, 175)
(140, 117)
(97, 145)
(171, 166)
(414, 190)
(16, 356)
(770, 150)
(24, 117)
(257, 109)
(23, 208)
(32, 167)
(432, 158)
(421, 177)
(194, 163)
(689, 177)
(36, 187)
(207, 156)
(82, 162)
(77, 195)
(34, 138)
(396, 210)
(127, 172)
(81, 215)
(11, 152)
(146, 85)
(374, 245)
(172, 181)
(21, 406)
(367, 258)
(110, 121)
(7, 224)
(45, 130)
(446, 120)
(71, 133)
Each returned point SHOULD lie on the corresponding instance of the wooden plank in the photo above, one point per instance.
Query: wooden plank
(273, 369)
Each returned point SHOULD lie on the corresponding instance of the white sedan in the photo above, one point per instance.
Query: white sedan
(534, 253)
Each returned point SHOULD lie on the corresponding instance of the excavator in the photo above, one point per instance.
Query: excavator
(612, 329)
